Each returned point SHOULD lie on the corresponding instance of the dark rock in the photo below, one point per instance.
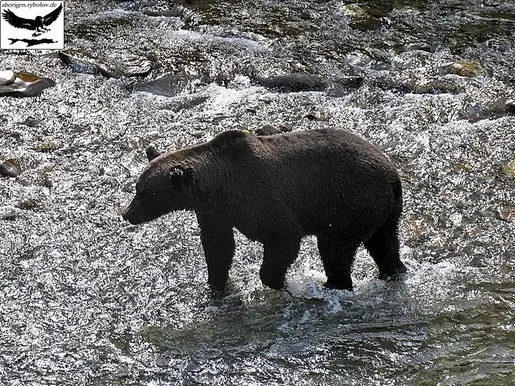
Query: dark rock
(30, 122)
(82, 63)
(285, 127)
(361, 18)
(506, 213)
(436, 86)
(293, 82)
(509, 106)
(25, 85)
(10, 168)
(112, 65)
(509, 169)
(462, 68)
(267, 130)
(342, 86)
(491, 109)
(420, 46)
(168, 85)
(186, 103)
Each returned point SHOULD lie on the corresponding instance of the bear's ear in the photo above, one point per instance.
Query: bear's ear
(180, 176)
(152, 153)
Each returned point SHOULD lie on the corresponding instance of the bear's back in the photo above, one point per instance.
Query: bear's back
(330, 147)
(323, 149)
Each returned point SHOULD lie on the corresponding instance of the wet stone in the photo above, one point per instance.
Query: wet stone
(30, 122)
(112, 65)
(168, 85)
(10, 168)
(25, 85)
(360, 18)
(267, 130)
(506, 213)
(186, 103)
(342, 86)
(7, 77)
(509, 169)
(491, 109)
(436, 86)
(462, 68)
(47, 146)
(509, 106)
(83, 63)
(293, 82)
(285, 127)
(420, 46)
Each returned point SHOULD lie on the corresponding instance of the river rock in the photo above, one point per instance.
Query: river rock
(342, 86)
(24, 85)
(420, 46)
(83, 63)
(271, 130)
(360, 18)
(293, 82)
(267, 130)
(10, 168)
(509, 169)
(436, 86)
(112, 65)
(47, 146)
(506, 213)
(462, 68)
(7, 77)
(509, 106)
(168, 85)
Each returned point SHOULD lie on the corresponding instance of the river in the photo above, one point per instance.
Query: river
(87, 299)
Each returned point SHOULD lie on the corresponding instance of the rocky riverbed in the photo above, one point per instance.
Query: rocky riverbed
(88, 299)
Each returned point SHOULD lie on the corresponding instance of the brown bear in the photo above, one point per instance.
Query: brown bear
(276, 190)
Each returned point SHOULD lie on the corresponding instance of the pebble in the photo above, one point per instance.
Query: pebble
(7, 77)
(293, 82)
(267, 130)
(506, 213)
(509, 169)
(113, 65)
(23, 84)
(462, 68)
(435, 86)
(168, 85)
(10, 168)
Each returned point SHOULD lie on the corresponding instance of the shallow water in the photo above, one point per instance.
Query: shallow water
(88, 299)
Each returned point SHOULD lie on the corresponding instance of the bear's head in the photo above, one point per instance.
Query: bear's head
(164, 186)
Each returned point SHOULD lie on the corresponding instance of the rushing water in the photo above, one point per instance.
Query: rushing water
(88, 299)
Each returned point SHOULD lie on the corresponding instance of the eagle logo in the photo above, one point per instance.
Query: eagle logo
(39, 24)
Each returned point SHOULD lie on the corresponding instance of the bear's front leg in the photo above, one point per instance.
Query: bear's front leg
(218, 243)
(279, 254)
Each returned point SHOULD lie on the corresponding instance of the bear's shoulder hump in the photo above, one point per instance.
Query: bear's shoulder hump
(229, 136)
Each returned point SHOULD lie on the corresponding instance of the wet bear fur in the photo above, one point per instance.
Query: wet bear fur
(276, 190)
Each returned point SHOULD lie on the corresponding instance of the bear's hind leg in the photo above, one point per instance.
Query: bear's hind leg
(337, 256)
(279, 254)
(383, 246)
(218, 244)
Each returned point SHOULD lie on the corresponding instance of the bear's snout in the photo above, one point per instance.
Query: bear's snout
(129, 214)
